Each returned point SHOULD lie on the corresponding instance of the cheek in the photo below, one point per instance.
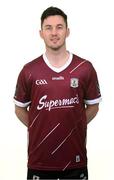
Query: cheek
(63, 36)
(45, 37)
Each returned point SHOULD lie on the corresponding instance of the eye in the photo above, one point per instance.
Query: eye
(48, 28)
(60, 27)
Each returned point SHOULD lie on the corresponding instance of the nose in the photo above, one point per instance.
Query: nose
(54, 31)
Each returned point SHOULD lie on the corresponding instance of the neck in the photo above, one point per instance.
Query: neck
(57, 58)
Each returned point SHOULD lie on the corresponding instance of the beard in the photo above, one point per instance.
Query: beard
(55, 47)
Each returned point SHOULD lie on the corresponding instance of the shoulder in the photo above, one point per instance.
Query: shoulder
(82, 62)
(35, 62)
(32, 67)
(80, 59)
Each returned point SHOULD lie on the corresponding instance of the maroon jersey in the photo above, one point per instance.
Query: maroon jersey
(57, 121)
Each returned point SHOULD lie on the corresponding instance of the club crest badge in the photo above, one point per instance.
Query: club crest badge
(74, 82)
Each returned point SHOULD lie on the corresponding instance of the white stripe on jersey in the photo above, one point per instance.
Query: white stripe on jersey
(77, 66)
(66, 166)
(63, 141)
(34, 119)
(48, 135)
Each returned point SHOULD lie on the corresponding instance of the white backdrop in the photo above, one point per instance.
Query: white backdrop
(92, 37)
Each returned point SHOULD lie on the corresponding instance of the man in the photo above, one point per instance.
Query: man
(57, 95)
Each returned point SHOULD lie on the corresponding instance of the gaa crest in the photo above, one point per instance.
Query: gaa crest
(74, 82)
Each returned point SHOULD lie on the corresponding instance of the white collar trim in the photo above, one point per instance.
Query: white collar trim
(58, 70)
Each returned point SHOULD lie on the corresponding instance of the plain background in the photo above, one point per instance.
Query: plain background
(92, 37)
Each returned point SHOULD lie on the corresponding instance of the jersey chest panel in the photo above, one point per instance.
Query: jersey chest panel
(57, 87)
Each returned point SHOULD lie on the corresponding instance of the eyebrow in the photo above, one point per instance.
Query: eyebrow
(49, 25)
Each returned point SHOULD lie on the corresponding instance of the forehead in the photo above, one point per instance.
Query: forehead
(53, 20)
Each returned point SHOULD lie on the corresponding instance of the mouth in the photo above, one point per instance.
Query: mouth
(55, 40)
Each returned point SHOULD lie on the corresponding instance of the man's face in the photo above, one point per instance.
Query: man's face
(54, 32)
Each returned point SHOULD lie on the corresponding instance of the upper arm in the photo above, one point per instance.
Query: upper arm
(22, 96)
(22, 114)
(92, 95)
(91, 111)
(94, 107)
(19, 110)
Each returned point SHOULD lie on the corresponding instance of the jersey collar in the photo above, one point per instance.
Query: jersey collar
(58, 70)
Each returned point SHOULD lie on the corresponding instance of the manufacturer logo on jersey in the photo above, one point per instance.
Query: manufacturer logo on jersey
(58, 78)
(41, 82)
(74, 82)
(36, 177)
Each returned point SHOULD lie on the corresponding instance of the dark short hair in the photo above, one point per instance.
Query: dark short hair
(52, 11)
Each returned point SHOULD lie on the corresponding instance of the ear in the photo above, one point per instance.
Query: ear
(68, 32)
(41, 34)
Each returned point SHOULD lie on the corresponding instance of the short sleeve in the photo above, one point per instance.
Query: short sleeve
(92, 90)
(22, 92)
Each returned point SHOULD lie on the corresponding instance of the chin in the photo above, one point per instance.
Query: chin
(55, 48)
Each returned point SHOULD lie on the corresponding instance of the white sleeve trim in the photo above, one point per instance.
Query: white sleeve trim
(20, 104)
(93, 101)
